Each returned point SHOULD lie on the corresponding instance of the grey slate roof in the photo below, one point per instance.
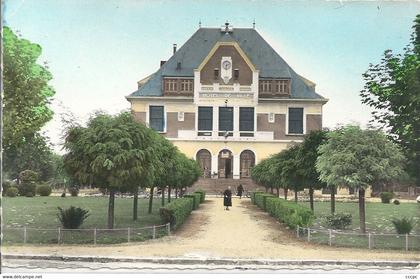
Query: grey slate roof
(261, 54)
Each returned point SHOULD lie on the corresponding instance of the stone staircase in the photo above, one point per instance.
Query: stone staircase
(215, 186)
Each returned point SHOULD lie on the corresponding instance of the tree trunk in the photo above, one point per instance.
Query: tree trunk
(151, 200)
(135, 203)
(332, 200)
(111, 209)
(163, 196)
(176, 193)
(266, 190)
(272, 192)
(278, 191)
(362, 213)
(311, 197)
(169, 194)
(286, 190)
(296, 195)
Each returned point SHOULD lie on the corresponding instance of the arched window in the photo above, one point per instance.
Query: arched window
(204, 160)
(247, 159)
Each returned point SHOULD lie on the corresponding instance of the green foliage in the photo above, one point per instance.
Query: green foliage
(202, 195)
(27, 94)
(28, 180)
(29, 194)
(6, 184)
(261, 200)
(290, 213)
(196, 198)
(11, 192)
(72, 217)
(338, 221)
(253, 194)
(396, 202)
(177, 211)
(386, 197)
(74, 191)
(392, 89)
(43, 190)
(403, 225)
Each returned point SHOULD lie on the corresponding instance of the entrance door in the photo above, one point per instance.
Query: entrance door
(225, 164)
(228, 170)
(247, 160)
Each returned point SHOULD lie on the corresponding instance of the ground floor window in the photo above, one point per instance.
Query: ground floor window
(204, 160)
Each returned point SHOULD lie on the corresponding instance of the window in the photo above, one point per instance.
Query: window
(246, 119)
(171, 85)
(216, 73)
(236, 74)
(282, 86)
(295, 120)
(186, 85)
(225, 118)
(156, 118)
(265, 86)
(205, 118)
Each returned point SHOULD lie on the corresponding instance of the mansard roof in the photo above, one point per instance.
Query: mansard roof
(262, 55)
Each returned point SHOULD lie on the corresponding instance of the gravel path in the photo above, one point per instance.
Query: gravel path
(242, 232)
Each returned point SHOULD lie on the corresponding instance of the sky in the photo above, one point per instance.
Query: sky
(97, 50)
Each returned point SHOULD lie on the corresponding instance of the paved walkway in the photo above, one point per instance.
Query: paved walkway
(242, 232)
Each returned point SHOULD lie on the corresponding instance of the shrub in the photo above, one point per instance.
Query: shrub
(396, 202)
(260, 200)
(403, 226)
(63, 195)
(72, 217)
(196, 199)
(12, 192)
(253, 196)
(74, 191)
(27, 186)
(6, 184)
(29, 194)
(202, 194)
(177, 211)
(386, 197)
(338, 221)
(290, 213)
(43, 190)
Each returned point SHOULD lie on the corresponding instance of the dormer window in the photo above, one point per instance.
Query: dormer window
(171, 85)
(186, 85)
(281, 86)
(265, 86)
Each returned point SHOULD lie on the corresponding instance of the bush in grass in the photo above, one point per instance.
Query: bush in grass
(72, 217)
(12, 192)
(290, 213)
(177, 211)
(74, 191)
(253, 196)
(338, 221)
(43, 190)
(196, 199)
(261, 198)
(386, 197)
(396, 202)
(202, 194)
(30, 195)
(403, 225)
(6, 184)
(27, 186)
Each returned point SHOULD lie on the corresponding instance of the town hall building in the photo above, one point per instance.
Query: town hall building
(227, 99)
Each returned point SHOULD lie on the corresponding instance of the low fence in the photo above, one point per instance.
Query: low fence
(359, 240)
(13, 235)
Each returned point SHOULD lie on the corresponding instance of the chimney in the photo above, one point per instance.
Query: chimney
(174, 48)
(162, 62)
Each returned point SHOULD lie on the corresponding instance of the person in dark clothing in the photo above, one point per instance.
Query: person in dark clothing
(240, 190)
(227, 198)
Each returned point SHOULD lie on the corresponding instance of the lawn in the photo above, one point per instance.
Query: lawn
(378, 223)
(40, 213)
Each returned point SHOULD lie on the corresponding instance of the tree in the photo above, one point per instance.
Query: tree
(392, 88)
(26, 90)
(306, 155)
(106, 154)
(290, 170)
(357, 158)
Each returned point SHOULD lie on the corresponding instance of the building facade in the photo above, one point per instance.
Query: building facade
(228, 100)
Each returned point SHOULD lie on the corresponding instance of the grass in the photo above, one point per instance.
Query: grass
(378, 220)
(40, 213)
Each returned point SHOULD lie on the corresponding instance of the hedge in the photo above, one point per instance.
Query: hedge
(261, 198)
(203, 195)
(177, 211)
(43, 190)
(196, 197)
(253, 196)
(290, 213)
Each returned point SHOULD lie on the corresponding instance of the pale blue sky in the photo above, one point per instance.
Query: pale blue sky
(97, 50)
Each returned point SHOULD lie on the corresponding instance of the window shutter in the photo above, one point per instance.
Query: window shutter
(225, 118)
(246, 119)
(156, 119)
(295, 120)
(205, 118)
